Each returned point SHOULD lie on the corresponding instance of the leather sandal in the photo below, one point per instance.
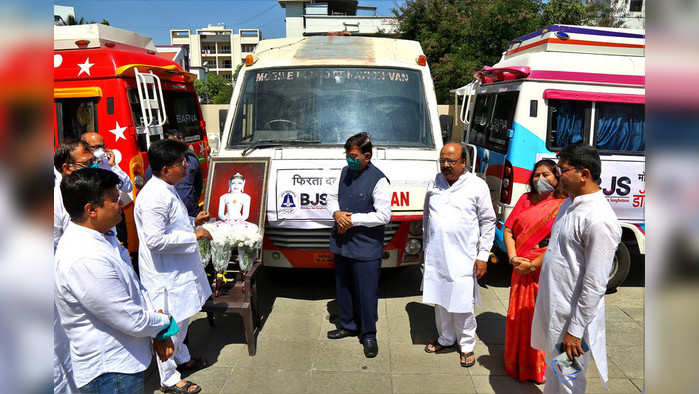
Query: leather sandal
(438, 348)
(465, 356)
(181, 390)
(197, 364)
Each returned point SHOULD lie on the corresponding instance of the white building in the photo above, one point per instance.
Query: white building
(61, 13)
(632, 12)
(309, 17)
(215, 48)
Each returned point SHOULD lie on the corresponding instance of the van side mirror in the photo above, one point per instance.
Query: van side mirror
(446, 123)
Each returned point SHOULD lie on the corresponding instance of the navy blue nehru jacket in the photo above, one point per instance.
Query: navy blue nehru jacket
(355, 195)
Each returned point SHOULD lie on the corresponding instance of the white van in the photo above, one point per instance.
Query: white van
(297, 100)
(558, 86)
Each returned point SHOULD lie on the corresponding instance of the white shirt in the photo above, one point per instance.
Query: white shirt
(60, 215)
(574, 277)
(382, 205)
(168, 252)
(104, 309)
(459, 228)
(126, 186)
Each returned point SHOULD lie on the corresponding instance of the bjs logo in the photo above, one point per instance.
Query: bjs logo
(621, 186)
(320, 199)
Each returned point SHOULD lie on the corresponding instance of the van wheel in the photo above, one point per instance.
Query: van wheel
(620, 267)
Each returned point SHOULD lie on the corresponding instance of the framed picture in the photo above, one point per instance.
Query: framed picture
(236, 190)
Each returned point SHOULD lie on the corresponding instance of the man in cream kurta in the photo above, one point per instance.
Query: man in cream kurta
(168, 252)
(574, 275)
(459, 227)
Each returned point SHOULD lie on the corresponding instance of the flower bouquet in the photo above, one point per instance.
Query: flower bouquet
(248, 241)
(204, 251)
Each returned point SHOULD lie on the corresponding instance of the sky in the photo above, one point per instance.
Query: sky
(155, 18)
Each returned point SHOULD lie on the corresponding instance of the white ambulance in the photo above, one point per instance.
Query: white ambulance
(297, 100)
(557, 86)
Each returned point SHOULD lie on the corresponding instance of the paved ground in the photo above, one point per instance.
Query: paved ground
(294, 355)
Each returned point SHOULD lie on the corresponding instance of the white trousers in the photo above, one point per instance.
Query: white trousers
(169, 375)
(456, 328)
(554, 385)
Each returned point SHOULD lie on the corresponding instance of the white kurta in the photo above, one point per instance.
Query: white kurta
(459, 227)
(574, 277)
(60, 216)
(104, 309)
(168, 252)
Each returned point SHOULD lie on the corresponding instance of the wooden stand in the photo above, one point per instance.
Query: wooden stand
(240, 299)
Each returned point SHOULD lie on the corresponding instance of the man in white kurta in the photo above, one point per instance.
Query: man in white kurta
(574, 275)
(103, 308)
(169, 261)
(459, 227)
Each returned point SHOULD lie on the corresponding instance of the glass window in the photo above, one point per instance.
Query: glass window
(568, 122)
(636, 6)
(182, 110)
(74, 117)
(482, 111)
(502, 121)
(619, 127)
(328, 105)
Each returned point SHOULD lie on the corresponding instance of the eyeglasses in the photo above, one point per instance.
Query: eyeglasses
(450, 161)
(85, 163)
(182, 163)
(561, 170)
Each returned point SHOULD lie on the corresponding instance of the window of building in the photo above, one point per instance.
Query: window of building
(636, 6)
(225, 49)
(180, 34)
(247, 47)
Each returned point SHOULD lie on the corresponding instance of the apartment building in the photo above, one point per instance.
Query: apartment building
(309, 17)
(632, 12)
(215, 48)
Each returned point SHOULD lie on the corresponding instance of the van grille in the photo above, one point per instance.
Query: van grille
(290, 238)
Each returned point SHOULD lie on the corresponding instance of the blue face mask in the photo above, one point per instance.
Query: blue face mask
(353, 164)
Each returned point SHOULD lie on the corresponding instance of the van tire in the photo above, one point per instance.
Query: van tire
(621, 266)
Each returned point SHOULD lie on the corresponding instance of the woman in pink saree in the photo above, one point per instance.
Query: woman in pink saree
(527, 230)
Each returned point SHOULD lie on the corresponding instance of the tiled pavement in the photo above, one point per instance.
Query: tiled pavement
(294, 355)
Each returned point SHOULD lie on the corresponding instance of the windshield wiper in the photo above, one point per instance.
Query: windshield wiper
(276, 143)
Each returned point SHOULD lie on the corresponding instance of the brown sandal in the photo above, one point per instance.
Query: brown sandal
(465, 356)
(184, 389)
(438, 348)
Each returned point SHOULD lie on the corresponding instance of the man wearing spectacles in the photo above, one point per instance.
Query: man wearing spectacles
(168, 253)
(459, 228)
(570, 303)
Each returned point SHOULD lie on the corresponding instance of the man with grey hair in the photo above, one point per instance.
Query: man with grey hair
(459, 228)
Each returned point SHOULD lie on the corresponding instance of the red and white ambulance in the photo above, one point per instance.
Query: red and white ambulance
(111, 81)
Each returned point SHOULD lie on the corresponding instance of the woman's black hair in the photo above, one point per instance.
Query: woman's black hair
(543, 162)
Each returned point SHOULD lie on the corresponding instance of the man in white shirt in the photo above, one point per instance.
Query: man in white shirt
(459, 228)
(361, 209)
(67, 158)
(102, 306)
(168, 253)
(569, 310)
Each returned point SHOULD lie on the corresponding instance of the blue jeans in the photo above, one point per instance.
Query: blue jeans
(115, 383)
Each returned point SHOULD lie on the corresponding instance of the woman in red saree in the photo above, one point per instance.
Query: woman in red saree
(526, 234)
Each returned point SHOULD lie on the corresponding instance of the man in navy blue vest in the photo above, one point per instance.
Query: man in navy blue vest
(361, 209)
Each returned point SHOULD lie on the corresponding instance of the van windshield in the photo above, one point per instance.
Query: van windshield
(328, 105)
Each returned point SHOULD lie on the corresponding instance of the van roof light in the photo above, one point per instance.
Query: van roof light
(422, 60)
(250, 60)
(82, 43)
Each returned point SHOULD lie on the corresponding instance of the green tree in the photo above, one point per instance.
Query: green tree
(459, 37)
(215, 90)
(73, 21)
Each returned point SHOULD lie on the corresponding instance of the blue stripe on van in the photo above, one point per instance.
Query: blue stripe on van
(524, 146)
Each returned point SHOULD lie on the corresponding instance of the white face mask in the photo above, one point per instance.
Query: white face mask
(543, 186)
(99, 154)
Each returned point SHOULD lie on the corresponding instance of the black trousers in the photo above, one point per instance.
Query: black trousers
(357, 291)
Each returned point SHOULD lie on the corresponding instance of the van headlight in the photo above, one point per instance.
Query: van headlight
(414, 246)
(415, 228)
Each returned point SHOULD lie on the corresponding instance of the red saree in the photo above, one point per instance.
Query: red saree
(530, 224)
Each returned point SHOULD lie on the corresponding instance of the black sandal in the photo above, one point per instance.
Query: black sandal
(438, 348)
(197, 364)
(178, 390)
(465, 356)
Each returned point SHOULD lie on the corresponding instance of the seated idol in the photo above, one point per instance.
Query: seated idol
(234, 206)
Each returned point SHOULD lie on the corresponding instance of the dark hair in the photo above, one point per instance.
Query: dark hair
(543, 162)
(164, 153)
(174, 133)
(86, 185)
(361, 141)
(581, 157)
(64, 152)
